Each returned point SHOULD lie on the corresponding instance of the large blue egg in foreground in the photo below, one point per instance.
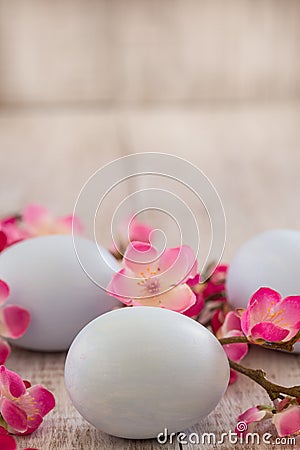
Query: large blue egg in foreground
(135, 371)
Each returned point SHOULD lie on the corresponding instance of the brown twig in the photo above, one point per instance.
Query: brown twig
(259, 376)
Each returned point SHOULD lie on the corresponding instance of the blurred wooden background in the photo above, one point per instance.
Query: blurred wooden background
(218, 83)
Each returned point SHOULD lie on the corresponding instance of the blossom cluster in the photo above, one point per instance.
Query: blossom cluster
(33, 221)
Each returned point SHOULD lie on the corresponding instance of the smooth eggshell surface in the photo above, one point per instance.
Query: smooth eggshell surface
(270, 259)
(135, 371)
(46, 278)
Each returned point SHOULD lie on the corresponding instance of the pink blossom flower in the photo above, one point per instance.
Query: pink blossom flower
(11, 232)
(217, 320)
(8, 442)
(215, 286)
(231, 326)
(22, 408)
(250, 417)
(197, 307)
(287, 419)
(14, 321)
(213, 295)
(194, 284)
(130, 230)
(269, 317)
(285, 402)
(151, 280)
(38, 221)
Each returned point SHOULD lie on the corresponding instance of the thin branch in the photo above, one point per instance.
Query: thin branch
(234, 340)
(259, 376)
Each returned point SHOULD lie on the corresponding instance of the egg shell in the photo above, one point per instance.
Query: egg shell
(135, 371)
(270, 259)
(46, 278)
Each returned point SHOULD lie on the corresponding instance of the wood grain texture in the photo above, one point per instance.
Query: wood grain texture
(74, 51)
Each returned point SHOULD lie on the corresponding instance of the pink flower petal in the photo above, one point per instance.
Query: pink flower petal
(235, 352)
(16, 321)
(14, 416)
(245, 321)
(266, 296)
(281, 404)
(179, 298)
(11, 382)
(44, 399)
(72, 223)
(178, 264)
(290, 311)
(287, 422)
(219, 274)
(268, 332)
(253, 414)
(3, 240)
(148, 301)
(35, 214)
(259, 308)
(251, 417)
(233, 376)
(125, 286)
(216, 283)
(129, 230)
(217, 320)
(9, 220)
(261, 303)
(196, 308)
(4, 292)
(139, 231)
(13, 233)
(141, 258)
(231, 322)
(4, 351)
(33, 422)
(7, 442)
(191, 282)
